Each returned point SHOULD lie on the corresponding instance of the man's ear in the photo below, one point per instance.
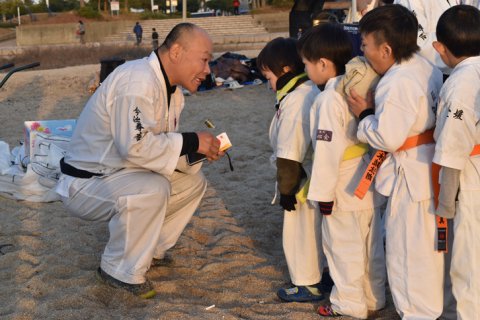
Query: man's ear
(175, 52)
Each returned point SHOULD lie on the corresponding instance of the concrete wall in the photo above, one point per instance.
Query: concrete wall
(46, 34)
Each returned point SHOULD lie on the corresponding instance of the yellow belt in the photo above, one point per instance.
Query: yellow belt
(352, 152)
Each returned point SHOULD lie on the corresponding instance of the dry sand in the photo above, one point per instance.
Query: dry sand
(230, 255)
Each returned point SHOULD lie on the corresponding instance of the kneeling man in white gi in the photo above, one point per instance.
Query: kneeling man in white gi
(126, 162)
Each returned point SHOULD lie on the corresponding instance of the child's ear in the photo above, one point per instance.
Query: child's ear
(387, 51)
(322, 62)
(439, 47)
(286, 69)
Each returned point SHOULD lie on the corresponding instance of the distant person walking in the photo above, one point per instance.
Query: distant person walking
(81, 31)
(138, 32)
(236, 6)
(154, 39)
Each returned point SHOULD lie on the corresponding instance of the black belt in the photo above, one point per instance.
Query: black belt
(77, 173)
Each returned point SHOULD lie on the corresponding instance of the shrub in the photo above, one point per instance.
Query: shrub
(89, 13)
(282, 3)
(7, 25)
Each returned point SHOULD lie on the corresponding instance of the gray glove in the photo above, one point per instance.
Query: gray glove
(449, 186)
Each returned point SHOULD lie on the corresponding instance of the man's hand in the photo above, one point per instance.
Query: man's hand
(209, 145)
(357, 104)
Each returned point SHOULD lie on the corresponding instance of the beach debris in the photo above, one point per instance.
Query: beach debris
(209, 124)
(3, 246)
(210, 307)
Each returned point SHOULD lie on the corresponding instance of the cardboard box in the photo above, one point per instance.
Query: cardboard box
(62, 128)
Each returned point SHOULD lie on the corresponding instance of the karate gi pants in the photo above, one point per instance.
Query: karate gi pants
(465, 268)
(146, 214)
(302, 244)
(353, 244)
(414, 266)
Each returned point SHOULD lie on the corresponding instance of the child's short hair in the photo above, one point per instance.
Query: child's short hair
(459, 30)
(280, 53)
(395, 25)
(328, 41)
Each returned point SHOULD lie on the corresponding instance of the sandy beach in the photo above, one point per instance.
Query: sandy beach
(229, 257)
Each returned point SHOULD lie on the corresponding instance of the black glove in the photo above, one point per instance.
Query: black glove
(326, 207)
(288, 202)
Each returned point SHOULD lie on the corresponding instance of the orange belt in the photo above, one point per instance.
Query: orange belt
(376, 162)
(442, 234)
(379, 157)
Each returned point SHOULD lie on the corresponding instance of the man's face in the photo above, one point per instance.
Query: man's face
(379, 56)
(193, 63)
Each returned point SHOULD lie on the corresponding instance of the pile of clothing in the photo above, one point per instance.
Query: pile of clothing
(232, 71)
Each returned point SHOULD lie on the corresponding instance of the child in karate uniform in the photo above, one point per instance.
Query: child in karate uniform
(457, 134)
(289, 135)
(351, 229)
(399, 120)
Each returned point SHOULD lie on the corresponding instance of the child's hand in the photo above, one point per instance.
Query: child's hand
(288, 202)
(358, 104)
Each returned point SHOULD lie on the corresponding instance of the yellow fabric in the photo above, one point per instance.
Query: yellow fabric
(283, 92)
(355, 151)
(303, 192)
(352, 152)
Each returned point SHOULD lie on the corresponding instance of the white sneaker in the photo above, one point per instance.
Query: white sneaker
(219, 81)
(257, 82)
(233, 85)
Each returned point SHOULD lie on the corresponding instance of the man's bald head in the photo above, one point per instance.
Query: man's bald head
(185, 54)
(182, 34)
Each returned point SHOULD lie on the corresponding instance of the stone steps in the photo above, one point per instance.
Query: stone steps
(223, 26)
(273, 22)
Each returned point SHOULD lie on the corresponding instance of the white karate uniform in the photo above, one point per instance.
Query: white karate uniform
(352, 234)
(127, 133)
(404, 101)
(456, 133)
(428, 12)
(290, 139)
(475, 3)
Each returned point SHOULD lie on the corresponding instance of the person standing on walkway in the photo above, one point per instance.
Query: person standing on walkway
(154, 39)
(81, 31)
(236, 7)
(138, 32)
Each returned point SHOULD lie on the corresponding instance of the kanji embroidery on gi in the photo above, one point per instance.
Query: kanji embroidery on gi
(324, 135)
(422, 34)
(458, 114)
(138, 124)
(375, 164)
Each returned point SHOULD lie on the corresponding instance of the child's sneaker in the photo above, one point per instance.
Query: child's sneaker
(143, 290)
(327, 311)
(300, 294)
